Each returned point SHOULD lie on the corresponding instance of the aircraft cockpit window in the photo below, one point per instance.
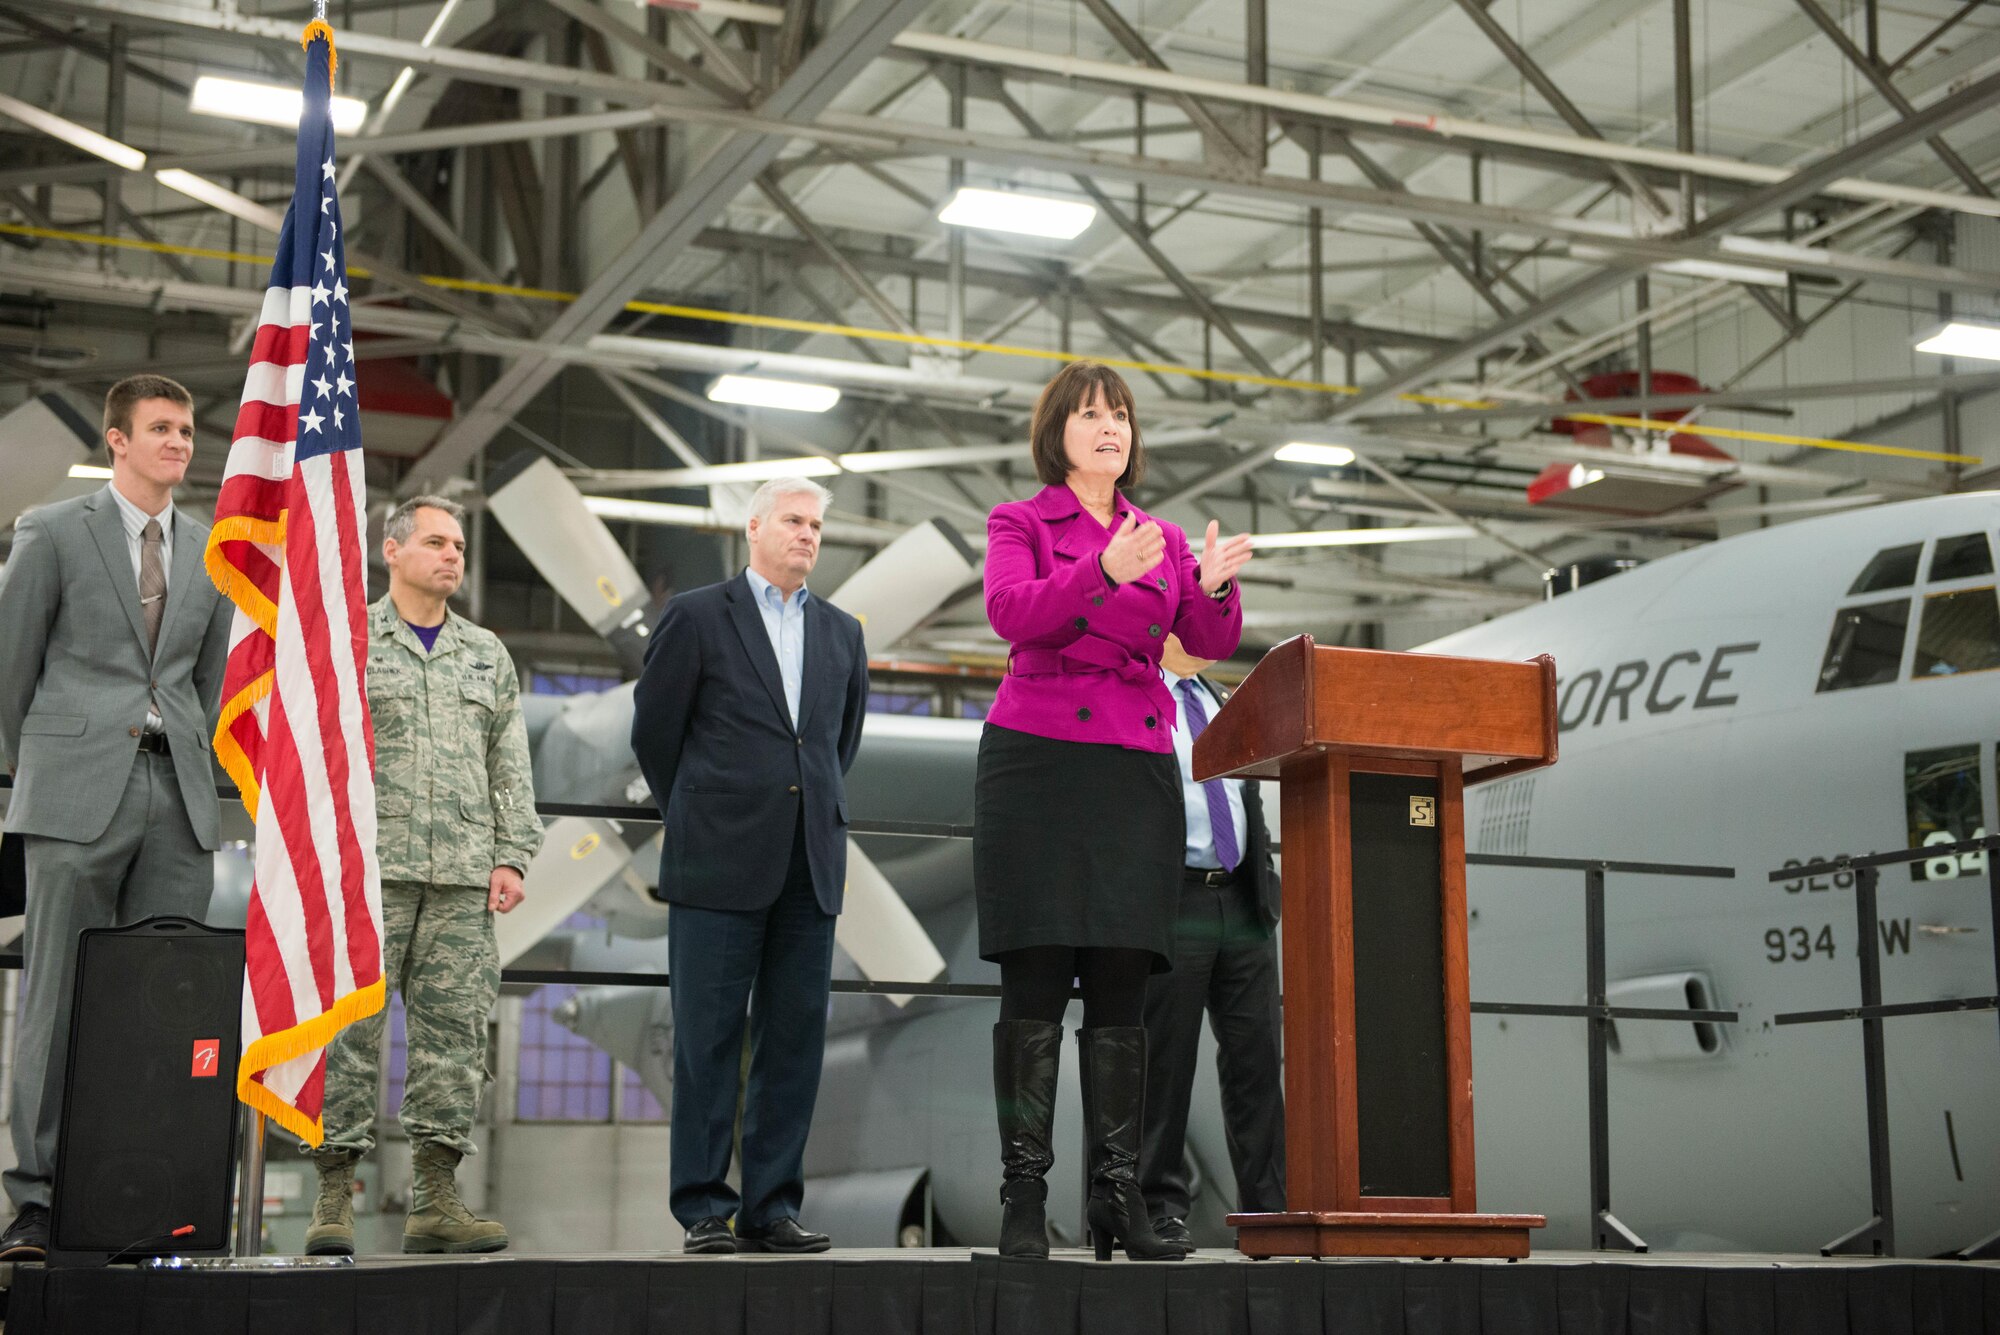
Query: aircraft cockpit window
(1941, 793)
(1892, 568)
(1866, 645)
(1960, 632)
(1961, 558)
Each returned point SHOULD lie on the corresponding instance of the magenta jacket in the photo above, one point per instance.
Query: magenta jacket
(1084, 665)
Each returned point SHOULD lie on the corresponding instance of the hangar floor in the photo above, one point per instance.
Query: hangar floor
(956, 1292)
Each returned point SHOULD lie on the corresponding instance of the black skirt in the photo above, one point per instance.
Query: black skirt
(1076, 844)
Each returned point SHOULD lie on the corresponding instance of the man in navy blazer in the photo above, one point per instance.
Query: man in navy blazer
(745, 719)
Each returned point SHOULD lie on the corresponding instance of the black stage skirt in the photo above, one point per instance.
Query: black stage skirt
(1076, 844)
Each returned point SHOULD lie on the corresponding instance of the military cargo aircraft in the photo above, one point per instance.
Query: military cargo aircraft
(1783, 696)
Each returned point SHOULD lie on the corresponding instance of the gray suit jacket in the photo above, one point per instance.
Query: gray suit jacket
(74, 670)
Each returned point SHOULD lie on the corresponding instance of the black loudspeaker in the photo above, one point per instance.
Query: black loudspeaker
(146, 1160)
(13, 877)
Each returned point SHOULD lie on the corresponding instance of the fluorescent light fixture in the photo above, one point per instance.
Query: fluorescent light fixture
(1964, 338)
(758, 391)
(1580, 477)
(219, 197)
(757, 470)
(1363, 537)
(268, 103)
(1005, 211)
(98, 471)
(1756, 275)
(76, 136)
(1306, 452)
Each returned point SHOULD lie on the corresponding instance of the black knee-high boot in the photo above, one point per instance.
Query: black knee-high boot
(1113, 1068)
(1026, 1056)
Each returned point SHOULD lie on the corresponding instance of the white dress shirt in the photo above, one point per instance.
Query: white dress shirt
(135, 533)
(134, 520)
(1200, 851)
(785, 623)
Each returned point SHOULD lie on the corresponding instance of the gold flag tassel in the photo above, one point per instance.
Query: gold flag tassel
(319, 28)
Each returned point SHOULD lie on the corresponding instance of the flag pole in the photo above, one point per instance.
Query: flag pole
(250, 1189)
(250, 1174)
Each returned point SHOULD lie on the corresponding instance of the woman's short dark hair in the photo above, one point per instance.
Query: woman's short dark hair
(1075, 385)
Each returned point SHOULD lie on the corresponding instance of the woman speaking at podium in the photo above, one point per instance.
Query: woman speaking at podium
(1077, 813)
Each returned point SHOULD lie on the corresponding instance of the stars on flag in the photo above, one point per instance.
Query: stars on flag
(346, 385)
(323, 386)
(340, 290)
(319, 294)
(310, 419)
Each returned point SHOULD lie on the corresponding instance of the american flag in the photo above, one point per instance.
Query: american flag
(287, 550)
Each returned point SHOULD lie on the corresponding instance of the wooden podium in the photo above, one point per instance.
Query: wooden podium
(1373, 751)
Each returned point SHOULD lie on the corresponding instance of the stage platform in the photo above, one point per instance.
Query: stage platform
(956, 1292)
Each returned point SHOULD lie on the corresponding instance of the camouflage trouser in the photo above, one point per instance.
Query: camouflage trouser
(438, 951)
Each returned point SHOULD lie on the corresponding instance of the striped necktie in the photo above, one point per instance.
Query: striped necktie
(1221, 827)
(152, 583)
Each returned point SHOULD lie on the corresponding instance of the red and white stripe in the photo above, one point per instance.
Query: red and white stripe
(313, 935)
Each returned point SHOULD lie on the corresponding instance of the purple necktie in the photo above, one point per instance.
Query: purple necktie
(1219, 824)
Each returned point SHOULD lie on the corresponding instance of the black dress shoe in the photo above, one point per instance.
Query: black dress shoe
(27, 1238)
(1174, 1230)
(710, 1236)
(785, 1235)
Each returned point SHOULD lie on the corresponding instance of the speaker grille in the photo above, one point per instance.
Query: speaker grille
(149, 1114)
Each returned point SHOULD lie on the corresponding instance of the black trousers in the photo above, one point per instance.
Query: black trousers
(1225, 964)
(769, 968)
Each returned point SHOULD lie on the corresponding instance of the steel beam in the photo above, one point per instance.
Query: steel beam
(1966, 102)
(1721, 398)
(857, 39)
(1455, 250)
(833, 255)
(1139, 49)
(1871, 70)
(662, 57)
(1518, 57)
(1452, 134)
(391, 178)
(1143, 242)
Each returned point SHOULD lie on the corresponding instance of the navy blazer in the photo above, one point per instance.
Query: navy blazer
(716, 743)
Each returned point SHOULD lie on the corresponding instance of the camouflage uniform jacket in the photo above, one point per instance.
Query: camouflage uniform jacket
(454, 796)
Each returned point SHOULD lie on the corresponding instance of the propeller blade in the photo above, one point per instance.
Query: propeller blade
(579, 858)
(905, 582)
(878, 931)
(544, 514)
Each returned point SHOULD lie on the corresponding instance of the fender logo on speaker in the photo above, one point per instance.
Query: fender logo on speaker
(1423, 811)
(205, 1057)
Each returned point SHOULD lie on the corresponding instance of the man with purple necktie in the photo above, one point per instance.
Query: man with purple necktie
(1225, 964)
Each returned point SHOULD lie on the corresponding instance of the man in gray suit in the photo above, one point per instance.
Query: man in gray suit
(112, 643)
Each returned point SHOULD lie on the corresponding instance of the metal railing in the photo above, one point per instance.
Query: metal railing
(1877, 1236)
(1607, 1231)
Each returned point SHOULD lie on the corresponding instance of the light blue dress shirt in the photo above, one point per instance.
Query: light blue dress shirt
(1200, 838)
(785, 623)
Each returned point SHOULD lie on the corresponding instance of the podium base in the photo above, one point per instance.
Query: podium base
(1366, 1233)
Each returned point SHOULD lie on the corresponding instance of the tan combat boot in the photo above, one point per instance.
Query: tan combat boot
(439, 1221)
(332, 1229)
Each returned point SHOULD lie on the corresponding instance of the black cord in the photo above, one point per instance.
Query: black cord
(183, 1231)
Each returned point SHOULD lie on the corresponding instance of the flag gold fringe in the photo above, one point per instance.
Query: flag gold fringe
(229, 754)
(240, 590)
(319, 28)
(276, 1049)
(237, 587)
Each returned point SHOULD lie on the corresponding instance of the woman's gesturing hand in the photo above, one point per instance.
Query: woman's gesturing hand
(1135, 548)
(1221, 561)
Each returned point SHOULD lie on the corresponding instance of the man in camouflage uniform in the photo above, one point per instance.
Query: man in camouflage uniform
(456, 806)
